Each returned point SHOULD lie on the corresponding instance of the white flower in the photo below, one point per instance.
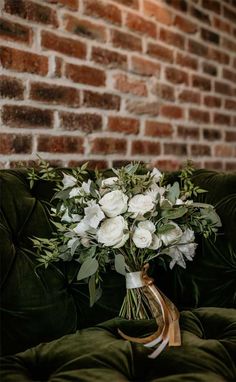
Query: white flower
(185, 248)
(111, 232)
(81, 228)
(93, 215)
(86, 186)
(179, 202)
(156, 242)
(68, 181)
(154, 191)
(114, 203)
(156, 174)
(109, 181)
(71, 242)
(147, 224)
(142, 238)
(139, 205)
(76, 191)
(177, 257)
(171, 236)
(71, 218)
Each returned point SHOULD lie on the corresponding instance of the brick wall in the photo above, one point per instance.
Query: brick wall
(118, 80)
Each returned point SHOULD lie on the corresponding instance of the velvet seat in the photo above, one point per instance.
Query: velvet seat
(49, 333)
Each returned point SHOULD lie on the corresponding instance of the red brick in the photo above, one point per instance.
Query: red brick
(145, 148)
(176, 76)
(85, 28)
(85, 75)
(101, 10)
(167, 164)
(22, 61)
(15, 32)
(142, 107)
(11, 88)
(228, 44)
(229, 14)
(180, 5)
(216, 165)
(71, 4)
(63, 45)
(230, 136)
(223, 150)
(212, 5)
(197, 48)
(200, 116)
(127, 85)
(160, 52)
(221, 25)
(208, 35)
(54, 94)
(187, 132)
(222, 119)
(201, 16)
(185, 25)
(189, 96)
(170, 111)
(218, 56)
(61, 144)
(164, 91)
(212, 134)
(188, 61)
(58, 67)
(141, 25)
(212, 101)
(159, 12)
(200, 150)
(101, 100)
(229, 75)
(27, 117)
(230, 104)
(144, 66)
(210, 69)
(175, 149)
(88, 123)
(92, 164)
(109, 58)
(15, 144)
(31, 11)
(123, 125)
(158, 129)
(230, 166)
(105, 145)
(126, 41)
(223, 88)
(202, 83)
(172, 38)
(129, 3)
(121, 163)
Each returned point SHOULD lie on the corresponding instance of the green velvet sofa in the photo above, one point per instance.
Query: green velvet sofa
(49, 333)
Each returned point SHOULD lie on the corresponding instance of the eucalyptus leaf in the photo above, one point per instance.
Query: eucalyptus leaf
(120, 264)
(174, 213)
(88, 268)
(74, 247)
(173, 192)
(165, 228)
(63, 194)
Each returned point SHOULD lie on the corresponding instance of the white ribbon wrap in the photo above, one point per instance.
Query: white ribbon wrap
(134, 280)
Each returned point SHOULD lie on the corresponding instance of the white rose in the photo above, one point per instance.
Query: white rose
(171, 236)
(86, 186)
(114, 203)
(156, 242)
(142, 238)
(147, 224)
(81, 228)
(139, 205)
(109, 181)
(93, 215)
(111, 232)
(156, 174)
(76, 191)
(68, 181)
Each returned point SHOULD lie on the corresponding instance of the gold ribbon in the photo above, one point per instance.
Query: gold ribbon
(168, 332)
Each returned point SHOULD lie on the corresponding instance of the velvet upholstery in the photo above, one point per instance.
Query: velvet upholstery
(49, 305)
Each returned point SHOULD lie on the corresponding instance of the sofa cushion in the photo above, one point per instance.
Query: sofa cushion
(208, 353)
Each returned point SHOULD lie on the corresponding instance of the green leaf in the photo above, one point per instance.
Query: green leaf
(92, 290)
(63, 194)
(120, 264)
(173, 192)
(74, 246)
(165, 228)
(174, 213)
(88, 268)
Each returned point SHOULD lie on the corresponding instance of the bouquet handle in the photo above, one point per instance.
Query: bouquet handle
(168, 331)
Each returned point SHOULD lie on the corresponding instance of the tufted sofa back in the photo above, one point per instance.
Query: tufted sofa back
(43, 305)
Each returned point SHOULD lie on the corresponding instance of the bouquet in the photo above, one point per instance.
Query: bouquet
(128, 219)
